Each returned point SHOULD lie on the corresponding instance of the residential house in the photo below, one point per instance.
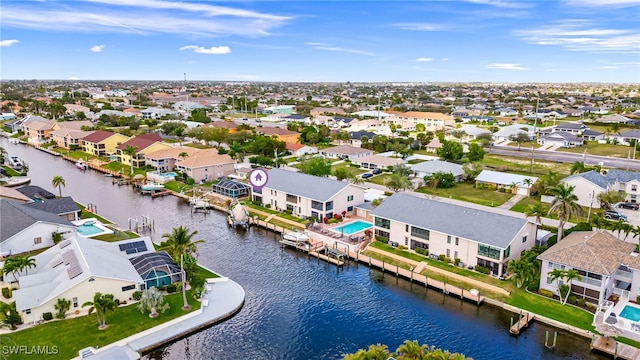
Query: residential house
(506, 133)
(65, 207)
(37, 132)
(165, 160)
(279, 109)
(428, 168)
(297, 118)
(614, 119)
(297, 149)
(364, 125)
(589, 184)
(516, 184)
(102, 142)
(377, 162)
(68, 138)
(592, 135)
(472, 132)
(325, 110)
(285, 135)
(146, 143)
(207, 165)
(561, 139)
(342, 122)
(307, 195)
(506, 111)
(23, 228)
(356, 137)
(157, 113)
(36, 193)
(432, 121)
(345, 152)
(625, 137)
(606, 266)
(433, 145)
(569, 127)
(474, 236)
(77, 268)
(573, 112)
(13, 194)
(72, 109)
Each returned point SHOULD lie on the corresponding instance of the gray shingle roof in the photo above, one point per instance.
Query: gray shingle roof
(56, 206)
(476, 225)
(592, 176)
(569, 125)
(35, 192)
(622, 176)
(17, 217)
(438, 165)
(308, 186)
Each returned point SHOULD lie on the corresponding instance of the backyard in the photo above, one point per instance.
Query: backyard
(468, 192)
(593, 148)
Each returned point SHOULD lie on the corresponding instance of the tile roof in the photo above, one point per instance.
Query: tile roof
(472, 224)
(204, 158)
(275, 131)
(308, 186)
(171, 153)
(593, 251)
(74, 125)
(379, 160)
(98, 136)
(141, 142)
(13, 194)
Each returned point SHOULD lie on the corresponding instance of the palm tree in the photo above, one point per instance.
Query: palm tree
(183, 155)
(569, 276)
(601, 223)
(101, 304)
(565, 204)
(549, 181)
(58, 181)
(153, 300)
(523, 271)
(236, 152)
(554, 275)
(411, 350)
(62, 306)
(178, 243)
(537, 210)
(25, 263)
(578, 167)
(11, 266)
(131, 152)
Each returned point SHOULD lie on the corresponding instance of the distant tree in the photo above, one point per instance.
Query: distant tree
(578, 167)
(443, 180)
(610, 197)
(520, 138)
(397, 182)
(342, 173)
(476, 152)
(317, 166)
(450, 151)
(402, 170)
(471, 171)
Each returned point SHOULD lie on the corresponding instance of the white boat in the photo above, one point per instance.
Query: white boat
(199, 203)
(152, 187)
(80, 164)
(296, 236)
(16, 163)
(238, 215)
(15, 181)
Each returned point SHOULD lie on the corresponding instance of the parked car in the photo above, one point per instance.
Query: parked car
(379, 171)
(629, 205)
(366, 175)
(614, 215)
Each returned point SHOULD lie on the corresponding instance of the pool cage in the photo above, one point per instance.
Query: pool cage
(232, 189)
(157, 269)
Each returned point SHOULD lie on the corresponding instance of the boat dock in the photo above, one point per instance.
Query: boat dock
(522, 323)
(161, 193)
(607, 345)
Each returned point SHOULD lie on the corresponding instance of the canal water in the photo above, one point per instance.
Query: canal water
(299, 307)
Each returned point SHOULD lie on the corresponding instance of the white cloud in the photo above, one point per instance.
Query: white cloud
(214, 50)
(424, 59)
(73, 78)
(140, 17)
(445, 59)
(418, 26)
(609, 67)
(578, 35)
(501, 3)
(505, 66)
(327, 47)
(603, 3)
(8, 42)
(97, 48)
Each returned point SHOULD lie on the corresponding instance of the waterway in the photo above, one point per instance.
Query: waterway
(299, 307)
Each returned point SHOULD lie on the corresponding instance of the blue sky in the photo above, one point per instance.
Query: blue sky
(390, 41)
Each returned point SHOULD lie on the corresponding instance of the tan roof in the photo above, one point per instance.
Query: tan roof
(205, 158)
(593, 251)
(74, 125)
(74, 134)
(172, 153)
(13, 194)
(434, 143)
(379, 160)
(275, 131)
(40, 125)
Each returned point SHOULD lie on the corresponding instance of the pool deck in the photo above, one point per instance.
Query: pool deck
(628, 328)
(222, 300)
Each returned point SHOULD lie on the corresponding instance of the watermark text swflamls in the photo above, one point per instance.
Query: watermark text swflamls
(29, 350)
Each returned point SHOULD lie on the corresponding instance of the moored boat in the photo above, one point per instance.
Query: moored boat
(15, 181)
(80, 164)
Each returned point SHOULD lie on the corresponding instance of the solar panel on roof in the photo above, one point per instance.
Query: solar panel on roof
(69, 256)
(74, 271)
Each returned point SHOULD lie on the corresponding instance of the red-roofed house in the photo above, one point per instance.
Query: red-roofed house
(102, 143)
(301, 149)
(143, 144)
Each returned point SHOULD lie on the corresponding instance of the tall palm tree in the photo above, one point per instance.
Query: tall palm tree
(554, 275)
(58, 181)
(236, 151)
(578, 167)
(178, 243)
(564, 204)
(569, 276)
(25, 263)
(131, 151)
(101, 304)
(411, 350)
(536, 210)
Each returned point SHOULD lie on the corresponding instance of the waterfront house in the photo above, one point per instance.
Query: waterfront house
(36, 193)
(307, 195)
(345, 152)
(65, 207)
(37, 132)
(146, 143)
(102, 142)
(78, 267)
(206, 165)
(589, 184)
(475, 237)
(67, 138)
(164, 160)
(516, 184)
(23, 228)
(13, 194)
(428, 168)
(376, 162)
(606, 266)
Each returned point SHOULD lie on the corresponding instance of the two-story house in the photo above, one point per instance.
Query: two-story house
(143, 144)
(102, 142)
(589, 184)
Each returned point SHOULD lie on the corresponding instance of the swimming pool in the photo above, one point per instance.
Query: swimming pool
(631, 312)
(91, 228)
(88, 229)
(168, 174)
(352, 227)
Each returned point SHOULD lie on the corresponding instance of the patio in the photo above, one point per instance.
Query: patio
(610, 314)
(333, 238)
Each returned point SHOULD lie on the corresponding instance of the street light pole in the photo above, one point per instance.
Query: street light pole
(535, 123)
(591, 196)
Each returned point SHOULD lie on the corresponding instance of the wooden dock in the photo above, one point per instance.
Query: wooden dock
(161, 193)
(614, 348)
(522, 323)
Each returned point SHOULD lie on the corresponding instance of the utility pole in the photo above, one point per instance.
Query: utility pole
(591, 196)
(535, 123)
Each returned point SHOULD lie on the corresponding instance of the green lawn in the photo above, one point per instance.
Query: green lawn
(467, 192)
(379, 179)
(117, 236)
(593, 148)
(523, 204)
(10, 171)
(71, 335)
(278, 213)
(346, 165)
(522, 165)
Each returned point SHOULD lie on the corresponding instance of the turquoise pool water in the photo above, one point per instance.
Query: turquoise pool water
(168, 174)
(353, 227)
(88, 229)
(631, 312)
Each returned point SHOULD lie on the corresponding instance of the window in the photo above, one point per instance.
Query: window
(292, 198)
(350, 208)
(329, 205)
(128, 287)
(448, 239)
(406, 241)
(383, 223)
(420, 233)
(37, 240)
(455, 255)
(27, 311)
(457, 241)
(419, 245)
(406, 228)
(317, 205)
(489, 251)
(507, 251)
(75, 302)
(448, 253)
(382, 233)
(350, 198)
(634, 187)
(524, 239)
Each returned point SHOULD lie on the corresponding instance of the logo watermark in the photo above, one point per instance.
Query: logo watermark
(29, 350)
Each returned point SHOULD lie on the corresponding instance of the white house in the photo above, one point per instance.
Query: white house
(345, 152)
(505, 133)
(473, 236)
(589, 184)
(518, 184)
(307, 195)
(428, 168)
(23, 228)
(560, 139)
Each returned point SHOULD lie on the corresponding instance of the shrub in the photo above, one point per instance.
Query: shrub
(332, 221)
(382, 239)
(422, 251)
(456, 261)
(546, 293)
(171, 289)
(402, 247)
(47, 316)
(268, 206)
(638, 299)
(136, 295)
(572, 299)
(441, 257)
(447, 260)
(482, 269)
(388, 193)
(581, 302)
(117, 301)
(6, 292)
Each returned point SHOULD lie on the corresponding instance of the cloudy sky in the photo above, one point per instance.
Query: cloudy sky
(391, 41)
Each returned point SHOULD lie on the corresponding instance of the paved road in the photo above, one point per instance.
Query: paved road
(560, 156)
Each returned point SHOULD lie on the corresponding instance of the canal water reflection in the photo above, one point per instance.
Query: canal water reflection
(299, 307)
